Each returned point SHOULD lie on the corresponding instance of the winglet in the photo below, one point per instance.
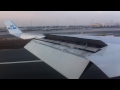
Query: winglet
(12, 28)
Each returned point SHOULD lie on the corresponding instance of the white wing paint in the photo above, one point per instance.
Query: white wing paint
(67, 60)
(14, 30)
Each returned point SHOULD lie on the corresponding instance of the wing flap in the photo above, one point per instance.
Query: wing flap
(69, 65)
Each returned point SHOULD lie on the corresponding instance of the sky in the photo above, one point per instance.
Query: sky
(39, 18)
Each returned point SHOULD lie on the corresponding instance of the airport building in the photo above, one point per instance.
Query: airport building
(97, 25)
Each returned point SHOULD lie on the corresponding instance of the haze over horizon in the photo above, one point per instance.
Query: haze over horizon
(40, 18)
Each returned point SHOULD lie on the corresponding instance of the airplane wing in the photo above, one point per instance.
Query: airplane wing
(14, 30)
(71, 55)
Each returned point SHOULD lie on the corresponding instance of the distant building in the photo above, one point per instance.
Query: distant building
(96, 25)
(117, 24)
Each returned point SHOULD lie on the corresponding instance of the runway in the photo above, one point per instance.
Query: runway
(99, 31)
(20, 64)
